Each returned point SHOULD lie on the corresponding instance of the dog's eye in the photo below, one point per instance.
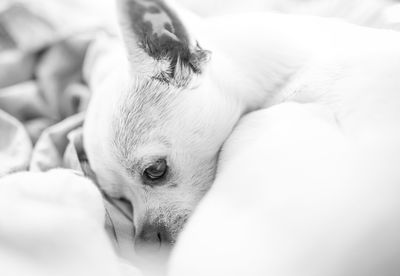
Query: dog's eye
(156, 171)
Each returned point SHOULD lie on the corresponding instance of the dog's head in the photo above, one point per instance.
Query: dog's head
(154, 130)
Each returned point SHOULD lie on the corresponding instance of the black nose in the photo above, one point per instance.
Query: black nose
(153, 238)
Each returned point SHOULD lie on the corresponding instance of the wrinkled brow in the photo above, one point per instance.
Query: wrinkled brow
(142, 112)
(137, 161)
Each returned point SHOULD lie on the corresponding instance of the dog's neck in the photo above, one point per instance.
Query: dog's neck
(256, 57)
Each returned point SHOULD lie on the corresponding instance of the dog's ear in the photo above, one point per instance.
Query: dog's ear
(158, 43)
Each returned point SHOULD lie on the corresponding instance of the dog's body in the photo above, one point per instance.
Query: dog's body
(168, 100)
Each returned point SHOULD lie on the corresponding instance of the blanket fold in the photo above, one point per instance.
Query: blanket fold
(48, 66)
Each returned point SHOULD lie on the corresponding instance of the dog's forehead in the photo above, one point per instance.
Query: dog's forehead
(141, 112)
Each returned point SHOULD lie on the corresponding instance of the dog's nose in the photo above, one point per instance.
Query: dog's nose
(153, 238)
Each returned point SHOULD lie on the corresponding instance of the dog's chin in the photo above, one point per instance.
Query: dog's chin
(156, 250)
(153, 258)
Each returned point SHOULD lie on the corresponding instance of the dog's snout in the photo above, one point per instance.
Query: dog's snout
(152, 238)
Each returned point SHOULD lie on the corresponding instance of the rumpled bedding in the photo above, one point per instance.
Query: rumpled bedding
(52, 224)
(41, 87)
(44, 93)
(48, 50)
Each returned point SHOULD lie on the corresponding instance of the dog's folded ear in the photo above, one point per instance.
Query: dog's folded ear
(158, 43)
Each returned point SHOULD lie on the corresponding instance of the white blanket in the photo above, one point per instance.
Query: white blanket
(44, 71)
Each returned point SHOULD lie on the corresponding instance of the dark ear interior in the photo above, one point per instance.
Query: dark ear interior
(157, 30)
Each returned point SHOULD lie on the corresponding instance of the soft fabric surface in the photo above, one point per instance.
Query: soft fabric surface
(50, 52)
(43, 94)
(52, 224)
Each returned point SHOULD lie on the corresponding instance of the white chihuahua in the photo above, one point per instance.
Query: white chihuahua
(176, 88)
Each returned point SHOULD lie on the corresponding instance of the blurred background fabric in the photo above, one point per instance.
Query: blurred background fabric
(376, 13)
(44, 45)
(48, 51)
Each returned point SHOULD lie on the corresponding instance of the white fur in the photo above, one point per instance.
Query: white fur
(258, 60)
